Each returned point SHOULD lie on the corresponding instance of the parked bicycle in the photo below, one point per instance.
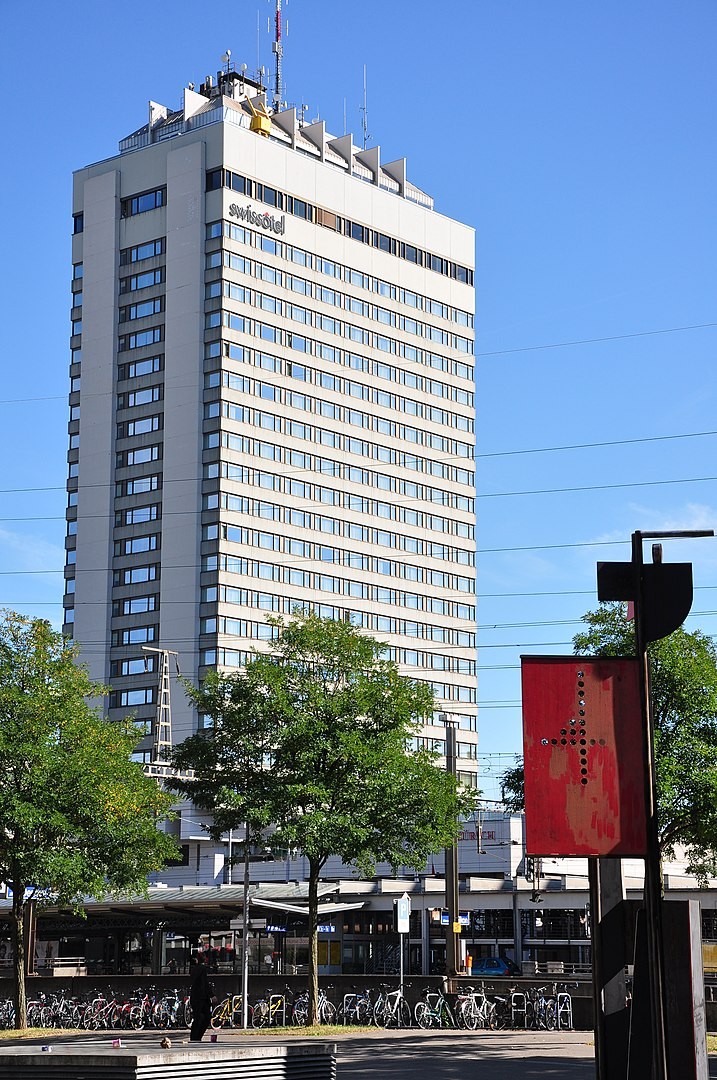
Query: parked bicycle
(433, 1010)
(230, 1013)
(271, 1011)
(391, 1010)
(325, 1011)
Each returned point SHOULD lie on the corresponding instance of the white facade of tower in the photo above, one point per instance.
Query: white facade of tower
(272, 405)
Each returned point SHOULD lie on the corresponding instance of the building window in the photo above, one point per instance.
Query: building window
(139, 252)
(147, 200)
(140, 367)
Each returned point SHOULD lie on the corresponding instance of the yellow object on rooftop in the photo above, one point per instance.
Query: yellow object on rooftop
(260, 121)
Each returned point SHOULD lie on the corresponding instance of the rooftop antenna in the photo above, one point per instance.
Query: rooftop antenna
(226, 60)
(278, 49)
(364, 110)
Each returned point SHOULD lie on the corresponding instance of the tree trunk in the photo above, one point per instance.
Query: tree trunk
(17, 937)
(314, 868)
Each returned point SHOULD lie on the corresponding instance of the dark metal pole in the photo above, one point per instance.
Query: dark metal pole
(245, 936)
(653, 876)
(451, 857)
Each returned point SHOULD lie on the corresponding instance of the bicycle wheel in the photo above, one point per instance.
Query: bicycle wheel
(327, 1013)
(364, 1013)
(423, 1015)
(187, 1013)
(261, 1015)
(551, 1015)
(221, 1014)
(238, 1012)
(404, 1014)
(445, 1016)
(501, 1015)
(469, 1014)
(136, 1020)
(300, 1013)
(530, 1016)
(379, 1013)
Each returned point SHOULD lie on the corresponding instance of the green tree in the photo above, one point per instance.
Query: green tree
(683, 676)
(336, 719)
(77, 816)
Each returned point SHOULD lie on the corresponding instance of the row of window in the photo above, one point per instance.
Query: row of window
(328, 467)
(289, 575)
(345, 414)
(282, 604)
(146, 200)
(135, 635)
(141, 456)
(137, 515)
(137, 665)
(334, 354)
(143, 280)
(438, 746)
(319, 436)
(142, 426)
(414, 658)
(355, 361)
(127, 699)
(148, 249)
(337, 271)
(136, 368)
(140, 338)
(139, 485)
(330, 324)
(218, 178)
(237, 658)
(146, 396)
(142, 309)
(305, 549)
(303, 519)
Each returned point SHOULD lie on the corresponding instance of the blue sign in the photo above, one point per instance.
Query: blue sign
(271, 929)
(464, 918)
(445, 921)
(326, 928)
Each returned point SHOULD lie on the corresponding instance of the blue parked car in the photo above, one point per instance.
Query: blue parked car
(499, 966)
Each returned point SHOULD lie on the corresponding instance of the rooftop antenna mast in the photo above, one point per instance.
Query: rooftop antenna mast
(278, 50)
(364, 110)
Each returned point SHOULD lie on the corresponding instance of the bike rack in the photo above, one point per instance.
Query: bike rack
(349, 1003)
(275, 1008)
(565, 1012)
(518, 1009)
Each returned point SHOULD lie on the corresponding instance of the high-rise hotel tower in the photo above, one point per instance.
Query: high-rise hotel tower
(271, 405)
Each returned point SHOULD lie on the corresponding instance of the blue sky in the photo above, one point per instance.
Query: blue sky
(578, 139)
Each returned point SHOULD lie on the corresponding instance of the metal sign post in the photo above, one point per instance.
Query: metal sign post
(403, 925)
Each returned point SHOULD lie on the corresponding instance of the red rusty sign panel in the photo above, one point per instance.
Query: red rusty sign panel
(582, 744)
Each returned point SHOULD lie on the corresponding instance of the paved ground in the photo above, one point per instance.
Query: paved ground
(417, 1055)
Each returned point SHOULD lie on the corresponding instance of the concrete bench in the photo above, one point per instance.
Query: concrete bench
(294, 1061)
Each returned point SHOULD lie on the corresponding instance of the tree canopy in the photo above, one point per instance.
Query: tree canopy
(331, 720)
(77, 817)
(683, 676)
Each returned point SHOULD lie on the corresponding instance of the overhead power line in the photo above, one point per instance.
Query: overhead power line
(597, 340)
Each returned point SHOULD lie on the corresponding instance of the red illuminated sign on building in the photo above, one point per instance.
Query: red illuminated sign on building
(582, 743)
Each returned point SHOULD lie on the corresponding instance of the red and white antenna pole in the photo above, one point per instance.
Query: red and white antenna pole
(278, 50)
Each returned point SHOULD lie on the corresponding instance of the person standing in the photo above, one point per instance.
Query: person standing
(200, 998)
